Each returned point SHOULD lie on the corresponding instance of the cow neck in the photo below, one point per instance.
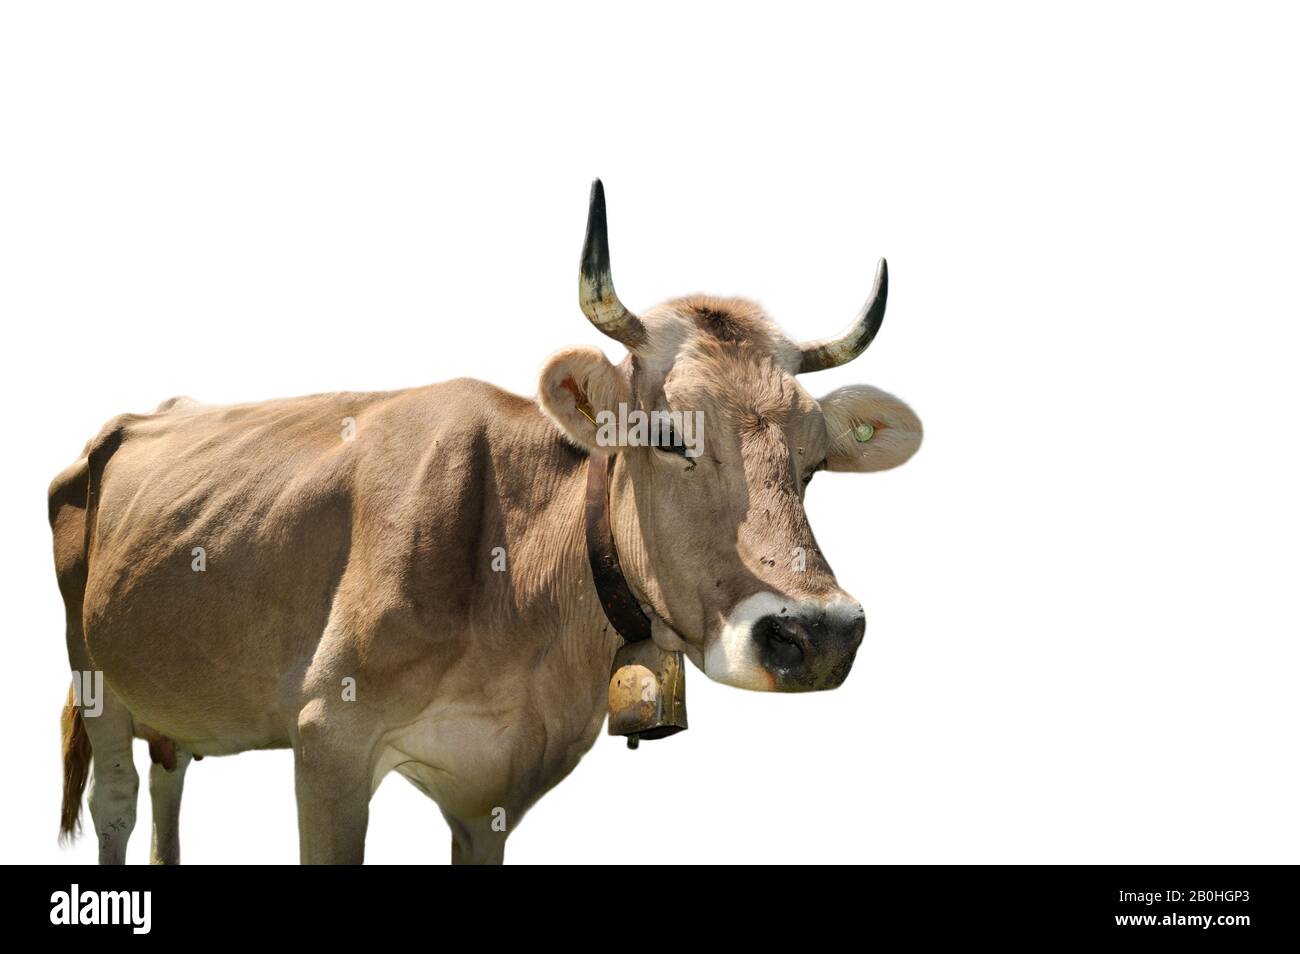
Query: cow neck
(622, 608)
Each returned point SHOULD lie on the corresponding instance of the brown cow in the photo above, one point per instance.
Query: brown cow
(399, 580)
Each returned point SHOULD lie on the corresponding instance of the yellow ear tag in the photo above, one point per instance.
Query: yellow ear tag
(863, 433)
(579, 399)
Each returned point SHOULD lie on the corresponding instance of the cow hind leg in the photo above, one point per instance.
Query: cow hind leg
(114, 784)
(165, 786)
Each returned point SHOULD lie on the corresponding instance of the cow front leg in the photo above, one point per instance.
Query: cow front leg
(332, 779)
(165, 786)
(478, 841)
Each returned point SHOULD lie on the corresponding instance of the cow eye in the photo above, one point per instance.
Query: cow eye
(670, 442)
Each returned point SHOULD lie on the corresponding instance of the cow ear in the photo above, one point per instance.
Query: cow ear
(577, 385)
(868, 429)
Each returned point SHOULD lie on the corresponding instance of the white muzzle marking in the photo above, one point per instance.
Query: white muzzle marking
(732, 659)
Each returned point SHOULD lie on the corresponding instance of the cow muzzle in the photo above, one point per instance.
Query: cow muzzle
(775, 644)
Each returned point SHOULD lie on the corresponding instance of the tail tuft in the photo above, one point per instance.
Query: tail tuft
(76, 768)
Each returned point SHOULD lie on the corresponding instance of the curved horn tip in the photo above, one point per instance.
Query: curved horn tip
(595, 248)
(880, 288)
(873, 312)
(881, 283)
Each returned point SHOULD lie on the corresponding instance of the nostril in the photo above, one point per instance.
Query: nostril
(782, 640)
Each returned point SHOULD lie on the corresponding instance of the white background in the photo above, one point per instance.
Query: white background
(1081, 593)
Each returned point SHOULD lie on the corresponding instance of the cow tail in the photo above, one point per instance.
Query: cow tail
(76, 767)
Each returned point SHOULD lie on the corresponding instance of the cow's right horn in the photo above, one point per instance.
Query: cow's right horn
(844, 347)
(595, 286)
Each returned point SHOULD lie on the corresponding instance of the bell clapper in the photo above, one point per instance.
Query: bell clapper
(633, 741)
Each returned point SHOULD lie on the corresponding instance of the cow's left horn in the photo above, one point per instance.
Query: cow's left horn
(832, 352)
(595, 286)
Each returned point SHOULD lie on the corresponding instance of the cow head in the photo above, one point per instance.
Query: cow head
(707, 495)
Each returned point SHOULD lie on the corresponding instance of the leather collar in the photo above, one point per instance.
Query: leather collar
(622, 608)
